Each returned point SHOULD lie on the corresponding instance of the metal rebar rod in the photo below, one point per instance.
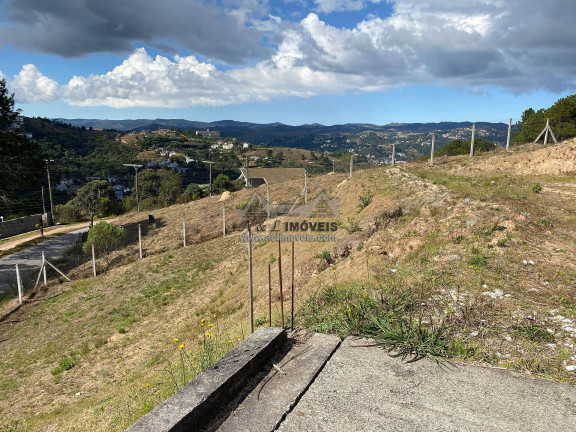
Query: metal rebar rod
(280, 279)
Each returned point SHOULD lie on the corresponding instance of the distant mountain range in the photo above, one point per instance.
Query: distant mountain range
(275, 133)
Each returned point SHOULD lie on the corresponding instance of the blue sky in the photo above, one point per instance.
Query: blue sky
(296, 62)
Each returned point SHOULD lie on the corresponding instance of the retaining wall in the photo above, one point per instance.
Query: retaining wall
(24, 224)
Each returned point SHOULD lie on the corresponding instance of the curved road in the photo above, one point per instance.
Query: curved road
(30, 258)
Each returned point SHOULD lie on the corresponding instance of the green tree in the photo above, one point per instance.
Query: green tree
(169, 187)
(105, 237)
(19, 157)
(222, 183)
(562, 117)
(193, 192)
(90, 195)
(461, 147)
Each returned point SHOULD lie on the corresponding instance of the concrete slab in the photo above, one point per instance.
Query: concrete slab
(200, 401)
(363, 389)
(265, 407)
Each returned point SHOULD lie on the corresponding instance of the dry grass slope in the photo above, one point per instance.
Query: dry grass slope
(488, 254)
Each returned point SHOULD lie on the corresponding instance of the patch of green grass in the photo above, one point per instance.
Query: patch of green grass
(536, 188)
(533, 333)
(365, 201)
(352, 226)
(65, 364)
(384, 313)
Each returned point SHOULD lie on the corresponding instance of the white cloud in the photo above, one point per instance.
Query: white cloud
(458, 43)
(329, 6)
(31, 86)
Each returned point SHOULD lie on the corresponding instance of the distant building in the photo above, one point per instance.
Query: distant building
(208, 134)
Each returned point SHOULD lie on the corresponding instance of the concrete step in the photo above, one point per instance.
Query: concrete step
(274, 395)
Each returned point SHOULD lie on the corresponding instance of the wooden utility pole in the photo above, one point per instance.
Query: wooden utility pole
(472, 140)
(135, 166)
(49, 185)
(432, 150)
(43, 202)
(210, 165)
(393, 154)
(509, 134)
(250, 291)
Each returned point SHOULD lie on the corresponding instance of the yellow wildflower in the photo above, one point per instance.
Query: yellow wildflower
(147, 385)
(202, 320)
(229, 341)
(207, 334)
(181, 347)
(176, 339)
(209, 325)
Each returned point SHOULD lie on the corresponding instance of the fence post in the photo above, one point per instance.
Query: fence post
(267, 201)
(44, 269)
(351, 163)
(184, 228)
(223, 219)
(472, 140)
(432, 150)
(93, 260)
(19, 281)
(251, 299)
(140, 239)
(509, 134)
(305, 187)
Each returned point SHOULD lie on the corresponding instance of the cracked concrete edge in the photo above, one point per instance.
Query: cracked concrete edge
(200, 400)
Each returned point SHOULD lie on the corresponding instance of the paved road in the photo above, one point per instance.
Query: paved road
(363, 389)
(29, 259)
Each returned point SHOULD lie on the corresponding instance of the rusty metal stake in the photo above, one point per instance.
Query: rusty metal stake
(270, 295)
(280, 278)
(292, 310)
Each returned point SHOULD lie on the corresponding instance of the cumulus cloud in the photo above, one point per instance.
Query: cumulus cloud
(72, 28)
(31, 86)
(458, 43)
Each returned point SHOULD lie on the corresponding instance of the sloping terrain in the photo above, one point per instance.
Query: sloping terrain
(489, 250)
